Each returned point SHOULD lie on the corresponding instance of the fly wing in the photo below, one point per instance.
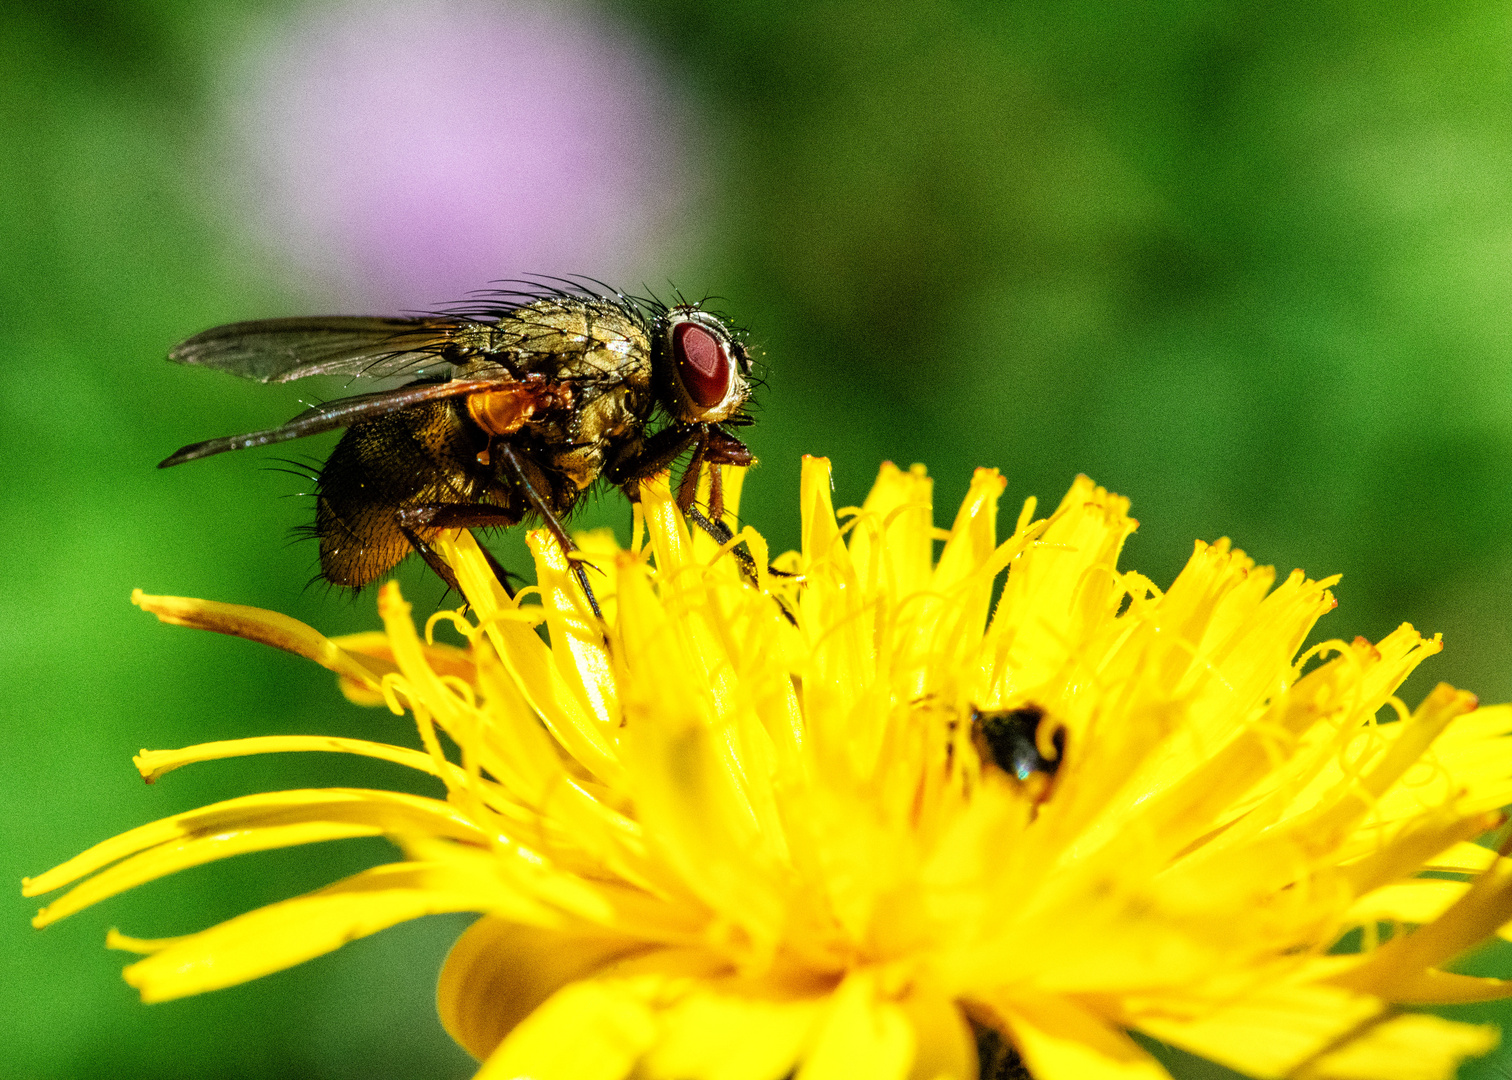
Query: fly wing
(343, 412)
(280, 350)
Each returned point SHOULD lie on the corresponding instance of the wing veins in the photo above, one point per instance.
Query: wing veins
(333, 414)
(281, 350)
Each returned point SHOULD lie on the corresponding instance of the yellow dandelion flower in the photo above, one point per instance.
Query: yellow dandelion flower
(866, 821)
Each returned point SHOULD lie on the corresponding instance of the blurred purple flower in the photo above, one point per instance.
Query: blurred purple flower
(403, 153)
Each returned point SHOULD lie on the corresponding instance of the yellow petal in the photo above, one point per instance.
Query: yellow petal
(251, 823)
(114, 939)
(860, 1036)
(284, 934)
(973, 536)
(1435, 987)
(499, 972)
(375, 645)
(1060, 1040)
(666, 528)
(154, 764)
(525, 887)
(1418, 901)
(589, 1030)
(945, 1048)
(1063, 588)
(524, 655)
(1415, 846)
(1412, 1047)
(1481, 911)
(689, 793)
(268, 627)
(892, 544)
(1470, 762)
(831, 600)
(710, 1035)
(1269, 1031)
(578, 645)
(1464, 857)
(1412, 737)
(704, 547)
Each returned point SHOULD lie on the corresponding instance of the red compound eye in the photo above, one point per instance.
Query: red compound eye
(703, 364)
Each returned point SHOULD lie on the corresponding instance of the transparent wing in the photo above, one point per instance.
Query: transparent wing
(336, 414)
(281, 350)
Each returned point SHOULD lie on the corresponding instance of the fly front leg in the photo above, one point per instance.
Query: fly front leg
(715, 447)
(655, 454)
(687, 489)
(712, 446)
(722, 534)
(721, 448)
(718, 447)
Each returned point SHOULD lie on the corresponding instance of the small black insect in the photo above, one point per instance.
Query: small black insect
(519, 404)
(997, 1057)
(1009, 739)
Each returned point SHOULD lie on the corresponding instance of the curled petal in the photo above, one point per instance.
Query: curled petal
(590, 1030)
(251, 823)
(1060, 1040)
(499, 972)
(268, 627)
(287, 933)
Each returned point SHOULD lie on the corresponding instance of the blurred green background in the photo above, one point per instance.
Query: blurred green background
(1250, 266)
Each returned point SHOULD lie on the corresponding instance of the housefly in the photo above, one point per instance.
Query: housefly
(516, 406)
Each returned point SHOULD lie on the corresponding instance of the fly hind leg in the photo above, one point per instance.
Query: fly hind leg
(414, 521)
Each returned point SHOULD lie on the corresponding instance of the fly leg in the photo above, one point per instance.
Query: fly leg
(711, 446)
(722, 534)
(722, 448)
(687, 489)
(412, 519)
(504, 453)
(432, 559)
(716, 529)
(655, 454)
(716, 448)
